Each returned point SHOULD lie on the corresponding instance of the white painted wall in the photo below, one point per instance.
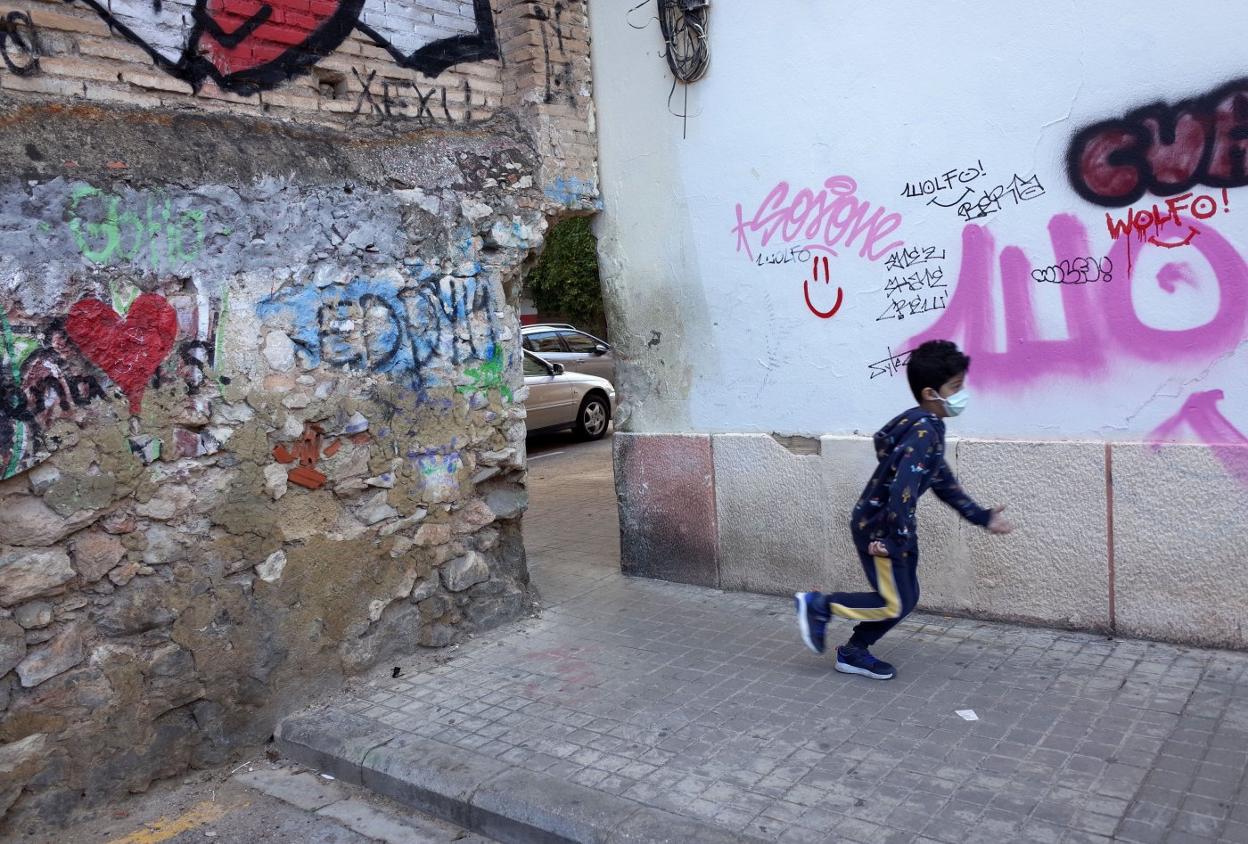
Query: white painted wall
(888, 94)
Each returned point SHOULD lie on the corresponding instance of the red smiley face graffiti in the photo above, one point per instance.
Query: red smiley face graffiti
(827, 282)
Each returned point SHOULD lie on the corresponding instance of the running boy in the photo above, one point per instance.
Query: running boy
(911, 451)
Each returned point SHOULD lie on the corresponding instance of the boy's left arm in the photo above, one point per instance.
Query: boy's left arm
(948, 490)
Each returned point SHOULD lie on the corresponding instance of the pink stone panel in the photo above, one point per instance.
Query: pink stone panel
(666, 489)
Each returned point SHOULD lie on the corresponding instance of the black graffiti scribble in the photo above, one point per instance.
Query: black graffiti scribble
(892, 364)
(392, 100)
(991, 201)
(907, 257)
(949, 180)
(366, 93)
(560, 79)
(19, 44)
(55, 382)
(916, 284)
(902, 308)
(50, 383)
(1076, 271)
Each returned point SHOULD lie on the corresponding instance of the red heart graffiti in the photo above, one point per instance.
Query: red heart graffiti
(129, 350)
(259, 42)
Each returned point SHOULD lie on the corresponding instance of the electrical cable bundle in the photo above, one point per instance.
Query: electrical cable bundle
(684, 26)
(688, 53)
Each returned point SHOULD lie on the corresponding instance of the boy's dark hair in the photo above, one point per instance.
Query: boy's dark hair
(934, 363)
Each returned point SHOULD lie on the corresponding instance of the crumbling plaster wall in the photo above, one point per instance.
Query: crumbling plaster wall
(261, 420)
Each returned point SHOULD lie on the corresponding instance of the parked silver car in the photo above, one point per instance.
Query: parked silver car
(559, 399)
(576, 350)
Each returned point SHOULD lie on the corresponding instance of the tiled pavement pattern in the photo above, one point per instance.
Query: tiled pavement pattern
(706, 704)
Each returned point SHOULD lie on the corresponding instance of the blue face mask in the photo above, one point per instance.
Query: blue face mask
(955, 404)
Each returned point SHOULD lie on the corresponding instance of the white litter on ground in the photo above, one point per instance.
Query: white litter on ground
(968, 714)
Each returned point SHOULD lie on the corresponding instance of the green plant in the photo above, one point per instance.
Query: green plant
(565, 281)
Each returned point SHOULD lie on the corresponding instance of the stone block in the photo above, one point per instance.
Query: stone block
(12, 645)
(57, 657)
(465, 571)
(33, 615)
(26, 574)
(472, 517)
(29, 522)
(270, 571)
(395, 633)
(507, 502)
(666, 489)
(772, 511)
(1179, 517)
(517, 803)
(433, 534)
(331, 741)
(20, 761)
(143, 605)
(95, 554)
(430, 776)
(1054, 567)
(298, 788)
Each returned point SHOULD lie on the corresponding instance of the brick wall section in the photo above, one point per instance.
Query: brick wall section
(358, 82)
(547, 80)
(543, 73)
(81, 56)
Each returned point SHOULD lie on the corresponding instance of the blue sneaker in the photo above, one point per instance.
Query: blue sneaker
(854, 660)
(810, 621)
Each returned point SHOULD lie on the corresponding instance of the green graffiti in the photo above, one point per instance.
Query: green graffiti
(123, 297)
(108, 228)
(113, 233)
(18, 446)
(491, 375)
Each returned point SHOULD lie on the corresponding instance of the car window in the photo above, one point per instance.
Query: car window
(579, 343)
(532, 367)
(526, 343)
(545, 341)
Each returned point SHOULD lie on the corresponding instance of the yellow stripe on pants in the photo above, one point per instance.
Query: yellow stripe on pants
(887, 588)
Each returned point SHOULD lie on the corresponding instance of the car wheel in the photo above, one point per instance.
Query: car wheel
(594, 418)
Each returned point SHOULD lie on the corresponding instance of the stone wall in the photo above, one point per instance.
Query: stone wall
(261, 420)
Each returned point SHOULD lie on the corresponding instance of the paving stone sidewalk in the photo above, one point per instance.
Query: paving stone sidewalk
(705, 704)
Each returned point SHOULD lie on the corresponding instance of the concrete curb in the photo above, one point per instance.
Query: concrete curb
(493, 798)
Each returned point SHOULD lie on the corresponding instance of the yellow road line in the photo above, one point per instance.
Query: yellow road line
(162, 829)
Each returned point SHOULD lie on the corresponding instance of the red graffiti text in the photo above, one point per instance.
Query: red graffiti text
(1164, 149)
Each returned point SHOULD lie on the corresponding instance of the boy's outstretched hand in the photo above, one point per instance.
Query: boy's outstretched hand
(998, 524)
(877, 549)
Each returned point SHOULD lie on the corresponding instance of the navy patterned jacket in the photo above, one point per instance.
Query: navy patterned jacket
(911, 451)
